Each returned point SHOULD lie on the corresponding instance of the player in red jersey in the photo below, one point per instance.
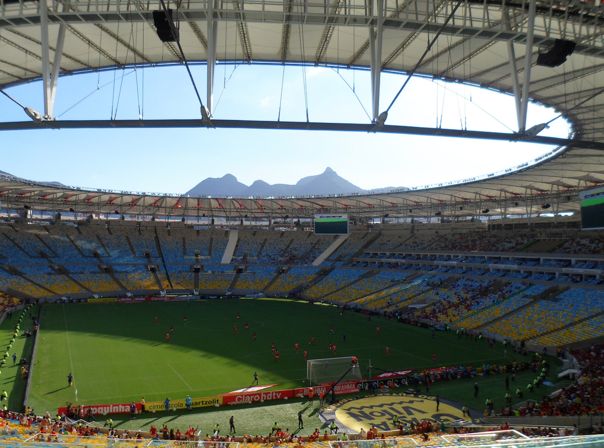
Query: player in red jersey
(305, 354)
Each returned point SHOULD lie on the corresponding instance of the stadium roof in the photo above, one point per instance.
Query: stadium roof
(477, 41)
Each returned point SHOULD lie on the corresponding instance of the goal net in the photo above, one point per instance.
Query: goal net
(330, 370)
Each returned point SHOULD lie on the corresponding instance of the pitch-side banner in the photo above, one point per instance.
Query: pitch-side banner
(102, 409)
(257, 397)
(199, 402)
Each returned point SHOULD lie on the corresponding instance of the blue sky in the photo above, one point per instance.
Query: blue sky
(174, 160)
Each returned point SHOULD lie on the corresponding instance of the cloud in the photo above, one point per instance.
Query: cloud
(266, 102)
(312, 72)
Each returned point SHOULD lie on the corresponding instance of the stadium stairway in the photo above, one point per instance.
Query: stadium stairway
(457, 323)
(130, 245)
(368, 242)
(21, 248)
(274, 279)
(348, 285)
(116, 280)
(330, 250)
(566, 326)
(227, 256)
(25, 277)
(156, 278)
(382, 295)
(63, 271)
(313, 281)
(196, 280)
(102, 243)
(77, 248)
(163, 259)
(548, 293)
(234, 280)
(413, 298)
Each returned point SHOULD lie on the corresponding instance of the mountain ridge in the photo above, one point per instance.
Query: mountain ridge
(326, 183)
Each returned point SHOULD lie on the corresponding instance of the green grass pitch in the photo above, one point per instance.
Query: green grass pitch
(117, 352)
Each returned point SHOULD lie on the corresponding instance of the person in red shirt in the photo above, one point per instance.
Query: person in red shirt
(310, 393)
(305, 354)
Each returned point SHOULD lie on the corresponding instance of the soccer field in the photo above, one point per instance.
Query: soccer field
(117, 352)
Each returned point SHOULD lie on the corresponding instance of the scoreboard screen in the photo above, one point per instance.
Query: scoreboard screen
(331, 224)
(592, 209)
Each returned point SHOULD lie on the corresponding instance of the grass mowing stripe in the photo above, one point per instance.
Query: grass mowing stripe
(120, 353)
(71, 369)
(180, 377)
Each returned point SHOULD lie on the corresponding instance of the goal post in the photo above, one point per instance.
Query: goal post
(331, 370)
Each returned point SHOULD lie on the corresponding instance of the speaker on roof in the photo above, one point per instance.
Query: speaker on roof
(557, 54)
(165, 27)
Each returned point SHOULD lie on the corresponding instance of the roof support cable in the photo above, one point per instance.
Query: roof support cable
(204, 112)
(281, 94)
(579, 104)
(384, 115)
(85, 97)
(353, 92)
(31, 113)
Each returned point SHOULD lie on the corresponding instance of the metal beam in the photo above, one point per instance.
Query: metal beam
(212, 33)
(92, 44)
(122, 42)
(198, 33)
(513, 69)
(286, 30)
(327, 31)
(19, 67)
(244, 35)
(299, 125)
(528, 57)
(376, 38)
(72, 58)
(56, 68)
(45, 52)
(101, 12)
